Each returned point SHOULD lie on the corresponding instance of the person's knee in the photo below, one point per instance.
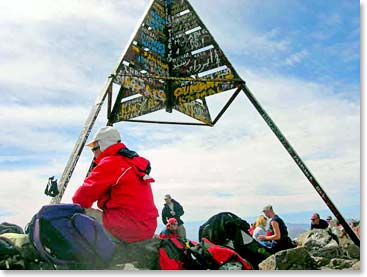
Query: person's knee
(96, 214)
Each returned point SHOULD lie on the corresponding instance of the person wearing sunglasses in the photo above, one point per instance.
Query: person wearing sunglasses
(317, 222)
(121, 187)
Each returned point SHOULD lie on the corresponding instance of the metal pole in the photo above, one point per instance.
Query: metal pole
(78, 148)
(227, 105)
(301, 164)
(109, 102)
(167, 122)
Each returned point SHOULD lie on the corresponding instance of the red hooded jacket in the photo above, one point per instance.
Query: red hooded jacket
(123, 193)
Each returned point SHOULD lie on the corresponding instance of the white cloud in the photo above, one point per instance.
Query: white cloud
(44, 10)
(296, 57)
(40, 128)
(41, 54)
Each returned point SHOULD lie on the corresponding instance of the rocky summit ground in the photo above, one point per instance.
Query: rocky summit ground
(327, 249)
(316, 250)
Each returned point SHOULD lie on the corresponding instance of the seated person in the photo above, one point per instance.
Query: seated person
(252, 228)
(279, 238)
(120, 184)
(171, 229)
(317, 223)
(259, 230)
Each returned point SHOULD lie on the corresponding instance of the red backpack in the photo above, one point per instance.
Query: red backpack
(172, 254)
(213, 256)
(177, 254)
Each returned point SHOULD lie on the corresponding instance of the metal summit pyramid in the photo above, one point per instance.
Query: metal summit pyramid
(172, 62)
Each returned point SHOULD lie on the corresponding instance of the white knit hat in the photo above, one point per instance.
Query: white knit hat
(106, 136)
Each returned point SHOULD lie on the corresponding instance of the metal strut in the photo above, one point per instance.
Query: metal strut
(78, 148)
(300, 164)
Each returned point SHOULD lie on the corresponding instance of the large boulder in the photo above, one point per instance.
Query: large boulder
(337, 263)
(140, 255)
(351, 250)
(301, 238)
(317, 238)
(357, 266)
(291, 259)
(322, 243)
(321, 261)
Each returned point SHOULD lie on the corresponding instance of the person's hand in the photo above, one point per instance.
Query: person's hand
(261, 238)
(173, 213)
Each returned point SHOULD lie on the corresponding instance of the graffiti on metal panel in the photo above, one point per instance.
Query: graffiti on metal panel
(147, 60)
(159, 7)
(189, 91)
(169, 31)
(155, 18)
(195, 91)
(124, 71)
(195, 110)
(153, 45)
(138, 107)
(197, 63)
(152, 34)
(226, 74)
(146, 87)
(153, 64)
(151, 87)
(178, 6)
(184, 23)
(186, 43)
(184, 18)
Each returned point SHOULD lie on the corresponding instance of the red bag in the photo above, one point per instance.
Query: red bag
(225, 257)
(172, 254)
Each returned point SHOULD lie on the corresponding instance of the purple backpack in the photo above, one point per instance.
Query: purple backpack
(67, 238)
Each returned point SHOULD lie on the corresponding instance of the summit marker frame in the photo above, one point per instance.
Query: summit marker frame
(172, 62)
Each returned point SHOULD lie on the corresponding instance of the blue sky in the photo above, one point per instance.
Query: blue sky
(300, 58)
(318, 40)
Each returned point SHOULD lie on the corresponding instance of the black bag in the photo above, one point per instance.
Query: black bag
(227, 229)
(16, 252)
(6, 227)
(10, 256)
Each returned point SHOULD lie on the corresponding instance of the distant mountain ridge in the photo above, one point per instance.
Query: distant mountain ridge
(192, 229)
(297, 222)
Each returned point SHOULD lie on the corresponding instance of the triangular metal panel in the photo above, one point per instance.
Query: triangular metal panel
(171, 62)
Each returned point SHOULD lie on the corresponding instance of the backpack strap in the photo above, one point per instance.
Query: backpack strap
(128, 153)
(141, 165)
(36, 239)
(131, 155)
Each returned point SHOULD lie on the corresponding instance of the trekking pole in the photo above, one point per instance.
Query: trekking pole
(300, 164)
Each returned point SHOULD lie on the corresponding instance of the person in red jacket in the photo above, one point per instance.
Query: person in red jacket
(171, 229)
(120, 184)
